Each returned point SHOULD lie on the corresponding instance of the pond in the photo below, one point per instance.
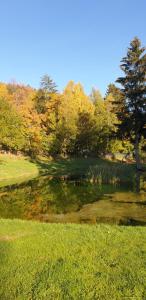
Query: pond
(75, 200)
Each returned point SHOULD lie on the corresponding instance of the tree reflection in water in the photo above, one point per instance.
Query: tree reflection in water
(80, 201)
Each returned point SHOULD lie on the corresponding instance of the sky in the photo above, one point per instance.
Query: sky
(80, 40)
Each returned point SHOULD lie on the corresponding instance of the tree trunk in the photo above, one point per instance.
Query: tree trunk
(137, 182)
(137, 156)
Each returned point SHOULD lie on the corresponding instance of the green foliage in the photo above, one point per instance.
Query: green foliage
(132, 114)
(86, 134)
(40, 101)
(118, 146)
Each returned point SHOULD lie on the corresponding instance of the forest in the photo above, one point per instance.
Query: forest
(47, 122)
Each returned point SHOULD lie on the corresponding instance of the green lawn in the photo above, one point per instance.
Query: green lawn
(15, 169)
(54, 261)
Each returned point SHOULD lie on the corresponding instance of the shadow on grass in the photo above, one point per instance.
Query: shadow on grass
(71, 166)
(89, 167)
(76, 165)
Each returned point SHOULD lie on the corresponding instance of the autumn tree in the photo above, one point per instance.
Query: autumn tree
(69, 105)
(21, 98)
(116, 94)
(96, 96)
(40, 101)
(132, 115)
(86, 137)
(12, 136)
(105, 121)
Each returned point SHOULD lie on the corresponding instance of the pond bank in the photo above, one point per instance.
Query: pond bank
(15, 169)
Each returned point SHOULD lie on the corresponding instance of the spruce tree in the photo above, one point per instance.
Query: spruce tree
(48, 85)
(132, 114)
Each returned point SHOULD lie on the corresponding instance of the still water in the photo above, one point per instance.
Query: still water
(75, 200)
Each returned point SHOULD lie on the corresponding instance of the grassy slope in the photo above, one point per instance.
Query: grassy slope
(50, 261)
(15, 169)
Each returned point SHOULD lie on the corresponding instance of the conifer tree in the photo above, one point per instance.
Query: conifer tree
(132, 114)
(48, 85)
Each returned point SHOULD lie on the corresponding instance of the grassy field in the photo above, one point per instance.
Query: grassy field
(50, 261)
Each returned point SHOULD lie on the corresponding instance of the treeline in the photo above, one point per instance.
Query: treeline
(45, 122)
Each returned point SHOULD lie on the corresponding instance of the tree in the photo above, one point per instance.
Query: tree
(11, 127)
(133, 110)
(72, 103)
(44, 94)
(48, 85)
(40, 101)
(115, 96)
(95, 96)
(105, 121)
(86, 134)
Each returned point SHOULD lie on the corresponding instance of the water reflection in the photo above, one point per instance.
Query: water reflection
(78, 201)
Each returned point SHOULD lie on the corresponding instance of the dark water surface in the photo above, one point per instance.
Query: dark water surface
(76, 201)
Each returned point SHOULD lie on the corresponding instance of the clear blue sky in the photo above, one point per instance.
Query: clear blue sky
(82, 40)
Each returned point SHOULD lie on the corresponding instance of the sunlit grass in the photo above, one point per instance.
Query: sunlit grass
(50, 261)
(16, 169)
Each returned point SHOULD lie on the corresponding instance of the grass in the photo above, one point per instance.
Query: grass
(67, 167)
(15, 169)
(112, 173)
(54, 261)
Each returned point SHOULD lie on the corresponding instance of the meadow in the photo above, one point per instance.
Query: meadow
(54, 261)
